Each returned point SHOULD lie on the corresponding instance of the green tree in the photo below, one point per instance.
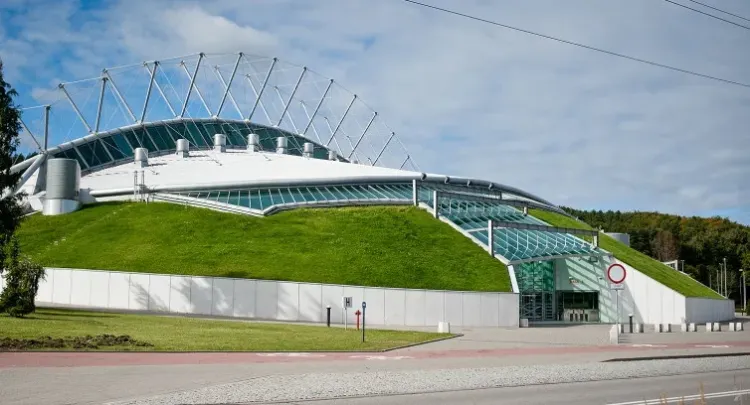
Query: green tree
(10, 124)
(21, 275)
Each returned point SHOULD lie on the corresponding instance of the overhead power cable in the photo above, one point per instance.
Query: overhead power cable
(720, 10)
(710, 15)
(565, 41)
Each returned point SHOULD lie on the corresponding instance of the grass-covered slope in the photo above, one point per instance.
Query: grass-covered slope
(643, 263)
(171, 333)
(374, 246)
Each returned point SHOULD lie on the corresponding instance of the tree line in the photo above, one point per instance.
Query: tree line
(702, 243)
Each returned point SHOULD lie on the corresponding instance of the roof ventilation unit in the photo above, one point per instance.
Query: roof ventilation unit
(63, 181)
(183, 148)
(332, 155)
(309, 149)
(220, 143)
(141, 157)
(281, 145)
(253, 142)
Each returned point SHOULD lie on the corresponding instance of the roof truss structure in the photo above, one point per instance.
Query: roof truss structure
(261, 90)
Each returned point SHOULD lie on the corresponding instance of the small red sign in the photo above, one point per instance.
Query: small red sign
(616, 273)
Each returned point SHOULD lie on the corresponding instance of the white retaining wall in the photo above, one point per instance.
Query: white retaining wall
(702, 310)
(274, 300)
(646, 299)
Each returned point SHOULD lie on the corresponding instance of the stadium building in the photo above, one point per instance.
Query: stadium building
(254, 136)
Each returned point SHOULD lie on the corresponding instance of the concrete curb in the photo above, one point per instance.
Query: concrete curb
(353, 351)
(676, 357)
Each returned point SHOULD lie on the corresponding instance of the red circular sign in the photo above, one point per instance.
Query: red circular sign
(616, 273)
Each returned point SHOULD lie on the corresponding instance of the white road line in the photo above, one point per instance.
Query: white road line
(713, 346)
(374, 357)
(737, 394)
(647, 345)
(290, 355)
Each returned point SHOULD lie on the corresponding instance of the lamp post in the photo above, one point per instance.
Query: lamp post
(744, 292)
(726, 279)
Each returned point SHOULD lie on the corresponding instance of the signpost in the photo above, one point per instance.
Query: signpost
(616, 274)
(364, 305)
(346, 303)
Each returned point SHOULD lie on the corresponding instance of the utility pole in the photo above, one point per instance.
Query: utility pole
(744, 292)
(726, 279)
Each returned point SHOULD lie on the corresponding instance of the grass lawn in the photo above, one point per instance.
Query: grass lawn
(168, 333)
(651, 267)
(401, 247)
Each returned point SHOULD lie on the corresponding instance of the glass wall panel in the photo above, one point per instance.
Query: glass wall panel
(114, 149)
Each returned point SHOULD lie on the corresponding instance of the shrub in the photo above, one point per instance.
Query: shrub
(22, 277)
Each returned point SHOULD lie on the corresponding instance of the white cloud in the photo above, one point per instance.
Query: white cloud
(576, 127)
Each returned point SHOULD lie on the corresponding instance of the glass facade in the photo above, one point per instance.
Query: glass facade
(536, 287)
(161, 138)
(263, 198)
(470, 215)
(513, 244)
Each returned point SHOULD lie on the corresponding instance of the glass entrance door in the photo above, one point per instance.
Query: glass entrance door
(536, 284)
(578, 306)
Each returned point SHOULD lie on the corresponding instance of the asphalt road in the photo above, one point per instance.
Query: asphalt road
(721, 388)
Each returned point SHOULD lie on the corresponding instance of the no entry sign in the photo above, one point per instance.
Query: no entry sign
(616, 273)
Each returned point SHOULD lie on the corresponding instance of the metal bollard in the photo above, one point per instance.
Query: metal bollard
(328, 315)
(631, 323)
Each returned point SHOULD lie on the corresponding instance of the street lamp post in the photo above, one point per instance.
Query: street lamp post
(744, 292)
(726, 279)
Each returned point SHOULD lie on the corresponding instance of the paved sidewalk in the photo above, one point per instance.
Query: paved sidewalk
(537, 336)
(88, 359)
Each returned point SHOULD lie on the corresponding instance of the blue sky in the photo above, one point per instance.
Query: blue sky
(575, 127)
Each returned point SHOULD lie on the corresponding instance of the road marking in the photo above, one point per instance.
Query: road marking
(372, 357)
(713, 346)
(291, 355)
(736, 394)
(647, 345)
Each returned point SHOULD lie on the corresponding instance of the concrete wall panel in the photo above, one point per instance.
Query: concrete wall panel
(508, 307)
(331, 295)
(416, 307)
(376, 307)
(119, 290)
(44, 293)
(62, 283)
(222, 300)
(472, 309)
(179, 295)
(454, 308)
(310, 303)
(395, 303)
(266, 299)
(288, 301)
(244, 299)
(80, 288)
(159, 290)
(435, 307)
(201, 295)
(138, 297)
(358, 295)
(490, 309)
(99, 297)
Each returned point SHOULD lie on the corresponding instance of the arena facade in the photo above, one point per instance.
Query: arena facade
(253, 135)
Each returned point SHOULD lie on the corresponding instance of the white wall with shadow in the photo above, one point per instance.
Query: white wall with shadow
(273, 300)
(647, 300)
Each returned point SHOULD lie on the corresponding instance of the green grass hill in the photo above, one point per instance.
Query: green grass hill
(401, 247)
